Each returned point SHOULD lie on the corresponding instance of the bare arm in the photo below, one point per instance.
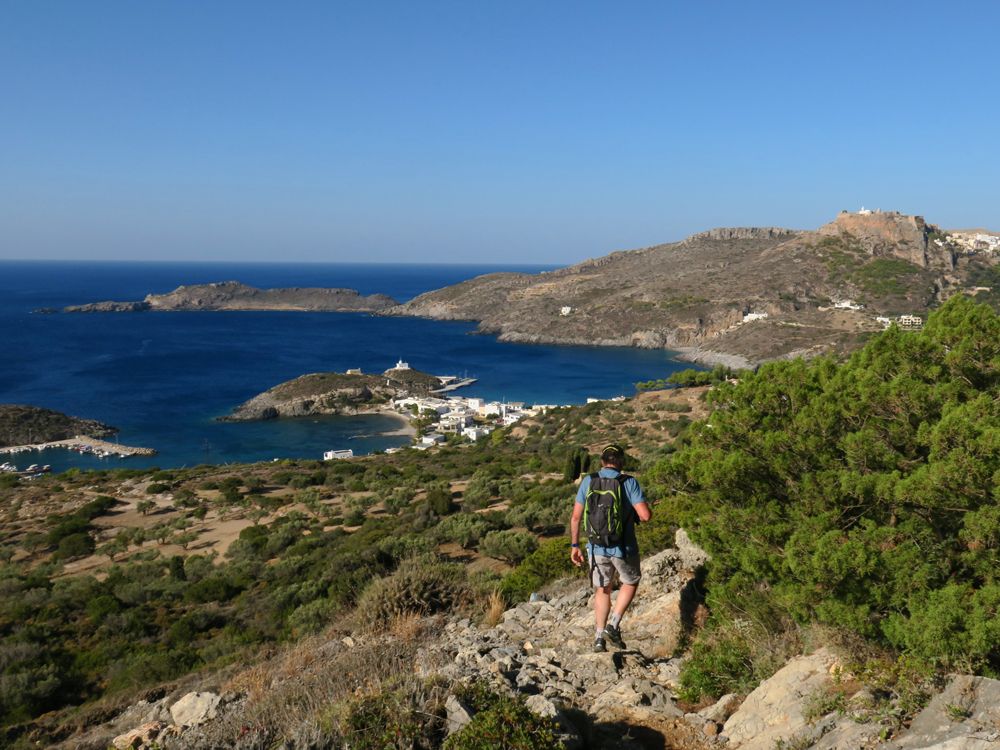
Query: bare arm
(574, 534)
(643, 511)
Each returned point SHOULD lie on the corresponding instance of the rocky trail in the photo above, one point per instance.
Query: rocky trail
(622, 699)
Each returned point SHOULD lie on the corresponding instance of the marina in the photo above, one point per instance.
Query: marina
(83, 445)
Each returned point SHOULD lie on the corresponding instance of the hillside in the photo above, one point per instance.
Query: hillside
(334, 393)
(849, 598)
(232, 295)
(692, 296)
(21, 424)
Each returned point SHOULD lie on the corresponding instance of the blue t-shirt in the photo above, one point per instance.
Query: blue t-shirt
(629, 546)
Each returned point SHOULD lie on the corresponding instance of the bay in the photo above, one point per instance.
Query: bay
(164, 378)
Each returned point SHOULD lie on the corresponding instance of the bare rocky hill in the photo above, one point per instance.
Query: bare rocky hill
(232, 295)
(735, 295)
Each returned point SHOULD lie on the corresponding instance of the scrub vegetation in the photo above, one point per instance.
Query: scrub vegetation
(850, 502)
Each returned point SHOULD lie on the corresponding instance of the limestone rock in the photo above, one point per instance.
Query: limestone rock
(541, 706)
(140, 737)
(692, 556)
(194, 708)
(964, 716)
(722, 709)
(774, 711)
(457, 714)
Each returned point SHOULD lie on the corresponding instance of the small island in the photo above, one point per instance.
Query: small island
(233, 295)
(352, 392)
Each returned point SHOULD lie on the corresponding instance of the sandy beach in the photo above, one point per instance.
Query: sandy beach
(405, 429)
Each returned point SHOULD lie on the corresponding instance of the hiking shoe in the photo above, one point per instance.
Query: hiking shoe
(599, 647)
(614, 635)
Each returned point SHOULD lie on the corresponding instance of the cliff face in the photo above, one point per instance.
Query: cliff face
(232, 295)
(892, 234)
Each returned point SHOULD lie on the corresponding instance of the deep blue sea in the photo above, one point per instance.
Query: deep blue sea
(163, 378)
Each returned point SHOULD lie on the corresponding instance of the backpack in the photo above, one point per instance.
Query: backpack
(604, 510)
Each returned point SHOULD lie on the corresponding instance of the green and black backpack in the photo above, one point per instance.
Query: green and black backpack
(604, 510)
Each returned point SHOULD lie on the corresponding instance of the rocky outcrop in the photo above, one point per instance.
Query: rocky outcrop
(964, 716)
(21, 424)
(743, 233)
(140, 737)
(775, 710)
(232, 295)
(894, 235)
(194, 709)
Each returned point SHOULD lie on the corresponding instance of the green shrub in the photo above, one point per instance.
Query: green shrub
(439, 499)
(482, 487)
(502, 721)
(393, 718)
(67, 526)
(313, 616)
(464, 528)
(421, 585)
(861, 495)
(156, 488)
(75, 545)
(716, 667)
(511, 546)
(549, 562)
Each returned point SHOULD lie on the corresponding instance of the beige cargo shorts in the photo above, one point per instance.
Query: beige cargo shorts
(605, 568)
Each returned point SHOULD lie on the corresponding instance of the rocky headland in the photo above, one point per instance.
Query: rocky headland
(736, 295)
(334, 393)
(21, 424)
(232, 295)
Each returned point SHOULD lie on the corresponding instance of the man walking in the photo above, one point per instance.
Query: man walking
(610, 503)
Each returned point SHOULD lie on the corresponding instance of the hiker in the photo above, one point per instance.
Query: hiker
(610, 503)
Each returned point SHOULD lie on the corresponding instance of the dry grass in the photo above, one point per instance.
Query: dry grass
(298, 694)
(495, 607)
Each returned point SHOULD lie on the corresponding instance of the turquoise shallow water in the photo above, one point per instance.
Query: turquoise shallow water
(162, 378)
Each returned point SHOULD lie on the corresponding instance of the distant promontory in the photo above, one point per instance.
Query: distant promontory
(233, 295)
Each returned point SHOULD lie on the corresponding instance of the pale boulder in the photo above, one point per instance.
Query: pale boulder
(194, 708)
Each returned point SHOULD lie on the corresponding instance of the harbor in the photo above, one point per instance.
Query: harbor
(83, 445)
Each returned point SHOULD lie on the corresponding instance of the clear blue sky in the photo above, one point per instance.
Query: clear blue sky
(498, 131)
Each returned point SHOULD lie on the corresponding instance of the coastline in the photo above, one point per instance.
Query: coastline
(711, 358)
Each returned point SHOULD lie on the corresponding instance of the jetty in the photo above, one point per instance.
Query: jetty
(451, 384)
(85, 445)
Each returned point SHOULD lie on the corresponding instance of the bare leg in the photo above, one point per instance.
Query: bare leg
(625, 595)
(602, 605)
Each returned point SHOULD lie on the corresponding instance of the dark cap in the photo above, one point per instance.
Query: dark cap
(613, 452)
